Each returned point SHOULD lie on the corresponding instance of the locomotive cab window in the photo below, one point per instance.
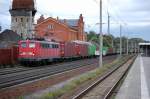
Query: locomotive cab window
(54, 45)
(23, 45)
(57, 46)
(31, 45)
(45, 45)
(50, 46)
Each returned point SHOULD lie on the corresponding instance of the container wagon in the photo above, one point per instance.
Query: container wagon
(91, 49)
(68, 49)
(82, 48)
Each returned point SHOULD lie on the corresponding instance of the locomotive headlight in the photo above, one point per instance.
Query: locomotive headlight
(22, 53)
(31, 53)
(27, 53)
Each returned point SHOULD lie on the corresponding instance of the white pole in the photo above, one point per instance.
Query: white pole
(132, 47)
(101, 37)
(146, 50)
(120, 40)
(135, 47)
(108, 30)
(127, 46)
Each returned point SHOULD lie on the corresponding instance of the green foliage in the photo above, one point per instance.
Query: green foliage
(107, 41)
(20, 97)
(92, 36)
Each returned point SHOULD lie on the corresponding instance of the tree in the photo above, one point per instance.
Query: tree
(92, 36)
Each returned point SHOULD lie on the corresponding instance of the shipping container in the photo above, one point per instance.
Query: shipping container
(110, 51)
(105, 51)
(68, 49)
(8, 55)
(91, 49)
(82, 48)
(5, 56)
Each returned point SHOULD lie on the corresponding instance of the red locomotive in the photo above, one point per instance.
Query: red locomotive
(31, 50)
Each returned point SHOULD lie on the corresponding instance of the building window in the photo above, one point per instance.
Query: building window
(16, 19)
(28, 19)
(21, 35)
(21, 19)
(50, 27)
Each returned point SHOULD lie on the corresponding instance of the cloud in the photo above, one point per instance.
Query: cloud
(135, 13)
(141, 5)
(4, 14)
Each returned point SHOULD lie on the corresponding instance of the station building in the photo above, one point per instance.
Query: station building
(55, 29)
(145, 49)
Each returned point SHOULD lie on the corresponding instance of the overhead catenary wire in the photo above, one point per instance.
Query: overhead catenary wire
(114, 13)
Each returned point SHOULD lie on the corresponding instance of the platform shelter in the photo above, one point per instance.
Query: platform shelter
(144, 49)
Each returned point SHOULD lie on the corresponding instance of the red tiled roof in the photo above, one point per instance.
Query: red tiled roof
(23, 4)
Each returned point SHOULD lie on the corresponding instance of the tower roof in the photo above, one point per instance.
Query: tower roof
(23, 4)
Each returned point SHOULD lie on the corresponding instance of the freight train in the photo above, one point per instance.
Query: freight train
(34, 50)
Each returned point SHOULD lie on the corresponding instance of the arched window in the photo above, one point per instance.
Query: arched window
(21, 19)
(16, 20)
(27, 20)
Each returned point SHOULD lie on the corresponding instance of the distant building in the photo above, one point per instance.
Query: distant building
(0, 28)
(60, 29)
(8, 38)
(22, 17)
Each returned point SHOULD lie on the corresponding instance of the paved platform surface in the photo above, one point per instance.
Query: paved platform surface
(137, 82)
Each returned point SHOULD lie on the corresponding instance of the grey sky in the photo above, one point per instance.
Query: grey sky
(134, 15)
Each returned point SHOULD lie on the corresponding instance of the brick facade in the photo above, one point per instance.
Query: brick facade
(60, 30)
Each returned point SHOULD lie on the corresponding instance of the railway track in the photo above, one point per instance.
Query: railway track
(104, 87)
(20, 77)
(13, 70)
(20, 68)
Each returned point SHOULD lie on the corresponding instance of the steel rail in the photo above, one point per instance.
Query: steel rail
(19, 69)
(117, 83)
(88, 89)
(6, 71)
(30, 76)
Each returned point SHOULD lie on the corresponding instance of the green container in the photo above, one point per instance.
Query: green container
(105, 50)
(91, 49)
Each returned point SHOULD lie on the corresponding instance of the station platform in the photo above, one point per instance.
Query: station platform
(137, 83)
